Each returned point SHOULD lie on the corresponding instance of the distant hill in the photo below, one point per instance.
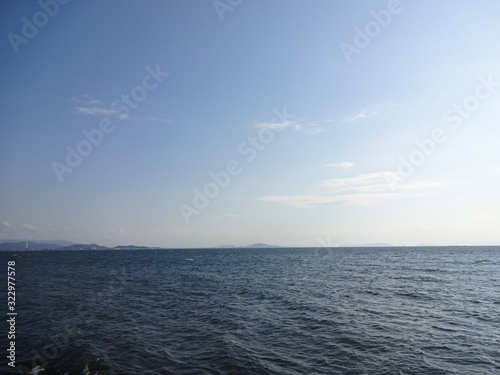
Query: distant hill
(59, 242)
(66, 245)
(92, 246)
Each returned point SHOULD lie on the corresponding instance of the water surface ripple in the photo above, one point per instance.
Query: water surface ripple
(259, 311)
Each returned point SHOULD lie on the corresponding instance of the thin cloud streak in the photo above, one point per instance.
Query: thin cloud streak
(343, 165)
(101, 112)
(95, 108)
(86, 99)
(277, 126)
(311, 201)
(363, 189)
(361, 115)
(308, 127)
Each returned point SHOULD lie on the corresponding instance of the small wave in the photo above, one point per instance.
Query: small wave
(444, 329)
(372, 292)
(96, 368)
(262, 312)
(483, 261)
(409, 294)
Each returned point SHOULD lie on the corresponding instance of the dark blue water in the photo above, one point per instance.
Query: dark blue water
(245, 311)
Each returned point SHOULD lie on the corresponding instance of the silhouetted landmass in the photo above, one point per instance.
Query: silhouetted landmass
(92, 246)
(63, 245)
(66, 245)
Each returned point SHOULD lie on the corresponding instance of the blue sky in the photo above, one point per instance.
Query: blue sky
(308, 111)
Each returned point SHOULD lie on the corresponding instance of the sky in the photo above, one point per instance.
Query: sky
(293, 123)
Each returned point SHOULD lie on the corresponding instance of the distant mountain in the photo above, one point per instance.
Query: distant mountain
(59, 242)
(63, 245)
(66, 245)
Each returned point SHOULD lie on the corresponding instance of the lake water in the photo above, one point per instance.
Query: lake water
(411, 310)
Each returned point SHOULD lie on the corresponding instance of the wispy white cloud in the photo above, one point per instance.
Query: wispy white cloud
(86, 99)
(361, 115)
(8, 229)
(362, 180)
(371, 183)
(29, 227)
(311, 200)
(308, 127)
(277, 126)
(362, 189)
(101, 112)
(5, 226)
(343, 165)
(95, 107)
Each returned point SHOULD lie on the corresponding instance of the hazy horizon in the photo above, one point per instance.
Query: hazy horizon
(321, 244)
